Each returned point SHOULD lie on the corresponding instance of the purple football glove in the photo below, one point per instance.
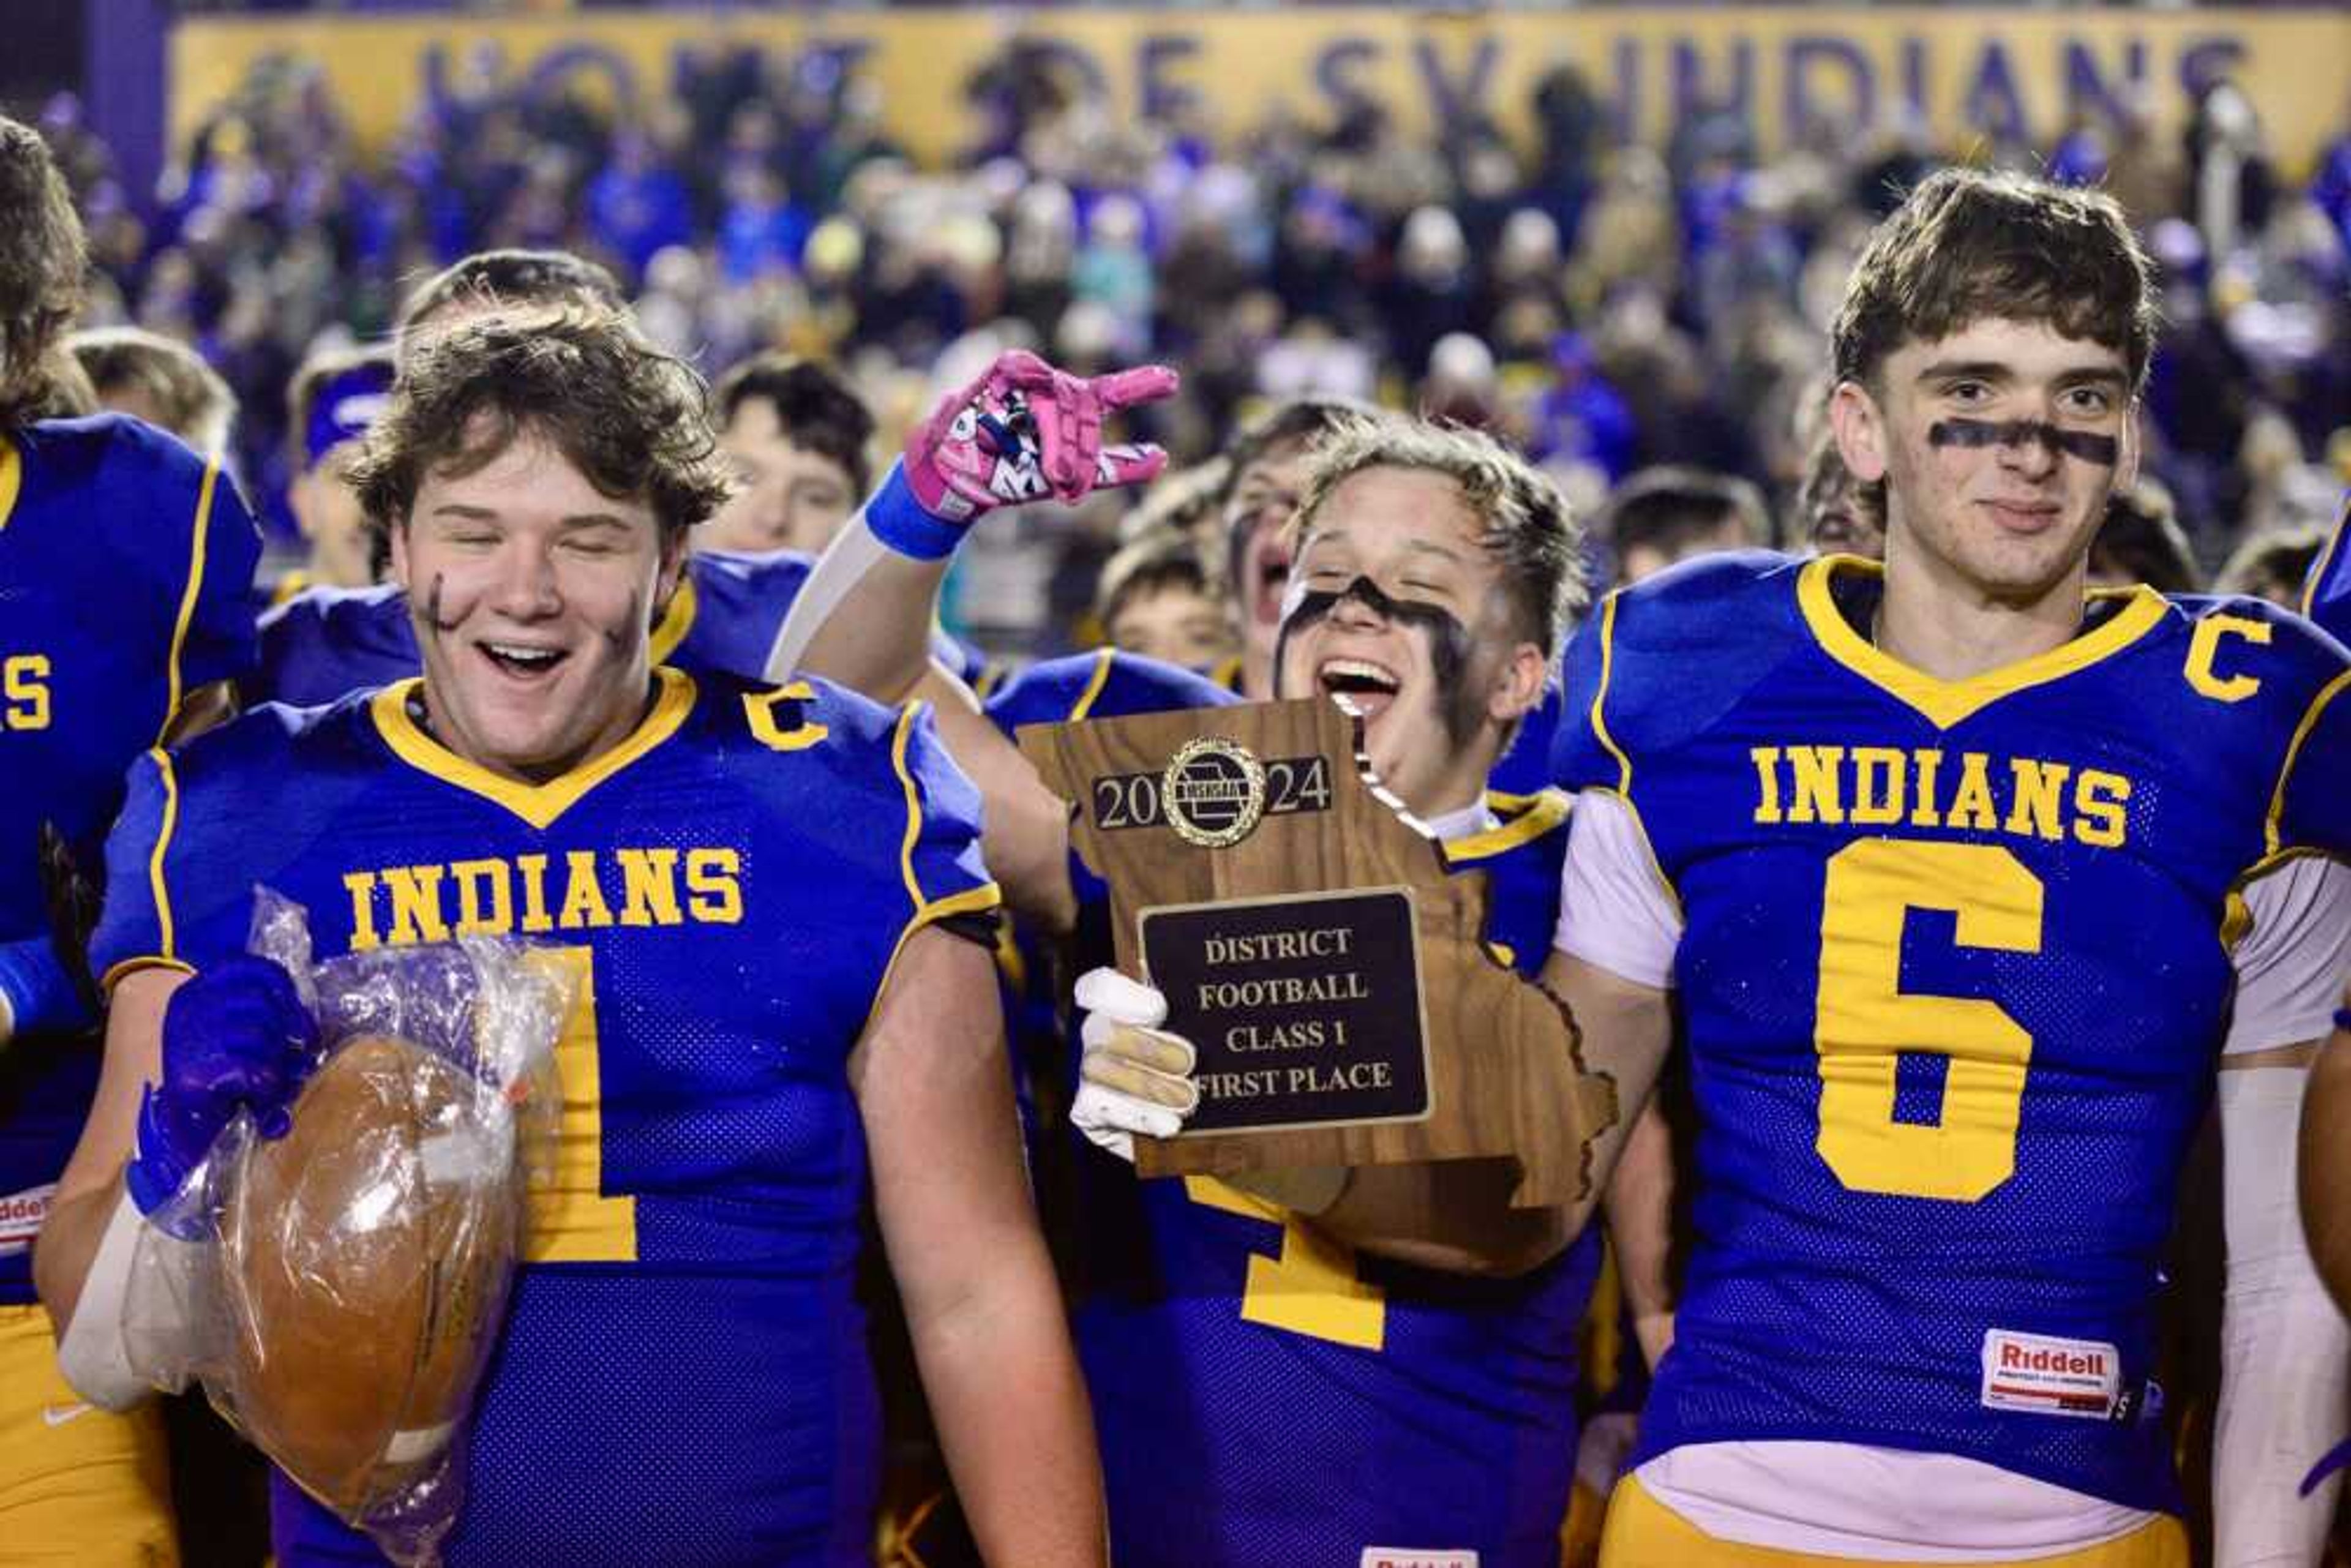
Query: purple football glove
(236, 1036)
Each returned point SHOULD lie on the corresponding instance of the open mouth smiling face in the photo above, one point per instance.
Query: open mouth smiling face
(1390, 579)
(533, 594)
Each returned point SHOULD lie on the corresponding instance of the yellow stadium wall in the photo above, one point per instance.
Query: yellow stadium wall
(1965, 69)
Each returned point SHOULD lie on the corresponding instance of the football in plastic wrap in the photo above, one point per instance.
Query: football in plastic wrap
(368, 1253)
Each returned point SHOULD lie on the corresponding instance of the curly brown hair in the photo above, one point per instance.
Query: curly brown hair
(583, 379)
(504, 279)
(1967, 246)
(42, 256)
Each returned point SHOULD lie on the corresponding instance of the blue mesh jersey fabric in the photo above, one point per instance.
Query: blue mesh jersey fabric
(1955, 974)
(125, 564)
(1263, 1394)
(684, 1377)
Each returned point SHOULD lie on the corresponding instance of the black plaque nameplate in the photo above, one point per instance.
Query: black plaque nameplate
(1304, 1009)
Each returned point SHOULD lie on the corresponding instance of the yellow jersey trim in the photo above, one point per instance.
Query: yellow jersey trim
(1623, 790)
(926, 908)
(1525, 817)
(2236, 915)
(2327, 694)
(927, 911)
(676, 619)
(188, 598)
(1094, 684)
(2320, 570)
(1227, 673)
(537, 804)
(1946, 703)
(1600, 697)
(992, 675)
(12, 478)
(130, 966)
(292, 583)
(166, 938)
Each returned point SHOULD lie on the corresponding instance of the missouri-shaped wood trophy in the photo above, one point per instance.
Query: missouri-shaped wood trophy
(1331, 972)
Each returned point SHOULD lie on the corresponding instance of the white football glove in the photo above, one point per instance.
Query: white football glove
(1135, 1077)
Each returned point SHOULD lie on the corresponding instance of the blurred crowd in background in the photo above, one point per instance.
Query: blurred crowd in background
(1609, 309)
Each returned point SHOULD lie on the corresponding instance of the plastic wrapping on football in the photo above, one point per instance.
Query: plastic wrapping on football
(368, 1252)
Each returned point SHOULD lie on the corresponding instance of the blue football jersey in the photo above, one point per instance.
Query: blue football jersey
(2327, 595)
(327, 642)
(1526, 766)
(1262, 1394)
(125, 562)
(682, 1377)
(1955, 972)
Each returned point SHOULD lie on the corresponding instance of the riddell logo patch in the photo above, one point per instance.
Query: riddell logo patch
(21, 1214)
(1402, 1557)
(2052, 1377)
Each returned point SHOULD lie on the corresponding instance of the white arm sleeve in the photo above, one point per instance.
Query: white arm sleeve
(2285, 1351)
(850, 556)
(1613, 914)
(2285, 1348)
(2290, 966)
(95, 1354)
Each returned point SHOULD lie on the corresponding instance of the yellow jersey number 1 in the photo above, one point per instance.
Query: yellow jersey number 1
(1312, 1288)
(1864, 1018)
(572, 1220)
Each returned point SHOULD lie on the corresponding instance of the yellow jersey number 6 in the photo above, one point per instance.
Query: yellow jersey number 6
(1864, 1018)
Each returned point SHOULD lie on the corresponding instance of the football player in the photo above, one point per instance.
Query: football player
(765, 893)
(159, 380)
(1156, 599)
(125, 563)
(1265, 465)
(1956, 870)
(333, 399)
(1664, 515)
(1300, 1380)
(1832, 515)
(2326, 593)
(797, 435)
(330, 641)
(497, 279)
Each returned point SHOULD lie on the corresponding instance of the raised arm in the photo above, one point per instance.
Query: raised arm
(1022, 432)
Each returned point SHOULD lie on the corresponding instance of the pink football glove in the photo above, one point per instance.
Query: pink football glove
(1024, 431)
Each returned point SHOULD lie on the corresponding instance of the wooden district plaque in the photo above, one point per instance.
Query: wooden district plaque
(1330, 971)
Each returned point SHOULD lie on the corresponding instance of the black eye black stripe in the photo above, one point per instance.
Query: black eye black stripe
(1449, 639)
(2090, 447)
